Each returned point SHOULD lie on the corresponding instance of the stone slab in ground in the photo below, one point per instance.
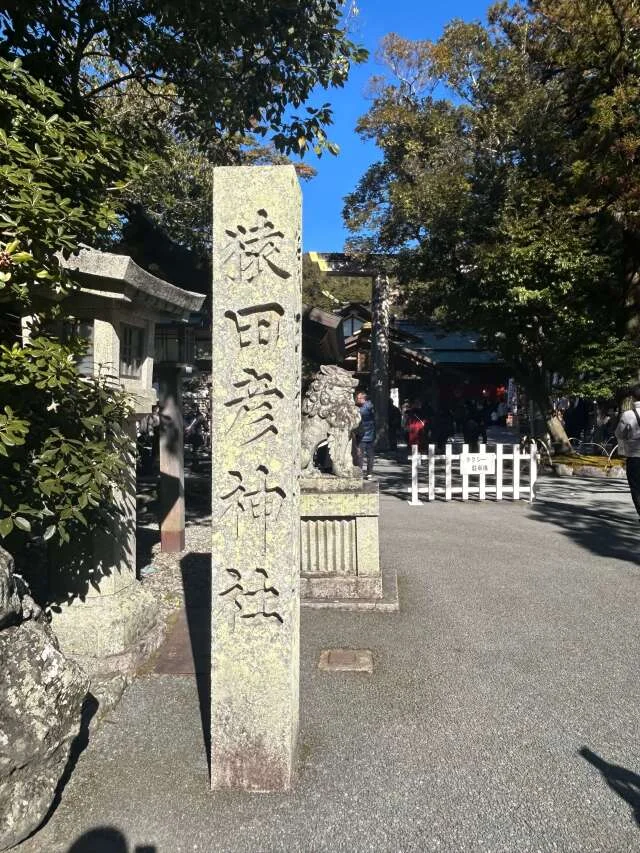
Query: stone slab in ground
(346, 660)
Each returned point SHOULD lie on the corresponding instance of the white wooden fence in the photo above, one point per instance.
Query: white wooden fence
(493, 476)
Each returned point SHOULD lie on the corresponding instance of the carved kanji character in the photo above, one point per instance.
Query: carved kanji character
(258, 325)
(249, 249)
(253, 403)
(256, 499)
(251, 595)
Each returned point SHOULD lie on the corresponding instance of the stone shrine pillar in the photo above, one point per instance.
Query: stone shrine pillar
(256, 312)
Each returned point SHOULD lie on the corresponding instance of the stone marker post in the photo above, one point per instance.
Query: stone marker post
(255, 439)
(171, 461)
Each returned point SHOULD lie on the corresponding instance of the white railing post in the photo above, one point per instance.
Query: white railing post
(432, 472)
(482, 484)
(415, 462)
(447, 471)
(465, 476)
(516, 472)
(533, 471)
(499, 449)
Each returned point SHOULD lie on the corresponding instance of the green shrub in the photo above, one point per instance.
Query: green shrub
(63, 448)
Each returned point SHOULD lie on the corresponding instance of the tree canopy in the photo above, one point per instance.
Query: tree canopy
(58, 176)
(508, 189)
(226, 67)
(185, 86)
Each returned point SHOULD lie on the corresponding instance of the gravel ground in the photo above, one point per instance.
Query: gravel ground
(501, 715)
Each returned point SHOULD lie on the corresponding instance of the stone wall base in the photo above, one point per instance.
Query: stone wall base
(388, 603)
(339, 586)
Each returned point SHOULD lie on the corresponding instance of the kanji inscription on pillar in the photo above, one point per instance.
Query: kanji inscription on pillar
(255, 437)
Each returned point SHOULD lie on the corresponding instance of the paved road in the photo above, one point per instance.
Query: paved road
(502, 714)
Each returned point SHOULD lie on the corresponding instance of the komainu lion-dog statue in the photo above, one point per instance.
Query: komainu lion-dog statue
(329, 414)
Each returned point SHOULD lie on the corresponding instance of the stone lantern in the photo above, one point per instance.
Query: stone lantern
(105, 619)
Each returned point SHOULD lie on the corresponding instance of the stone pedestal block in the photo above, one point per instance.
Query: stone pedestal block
(110, 633)
(101, 615)
(256, 313)
(339, 546)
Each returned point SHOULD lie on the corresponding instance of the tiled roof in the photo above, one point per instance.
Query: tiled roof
(444, 347)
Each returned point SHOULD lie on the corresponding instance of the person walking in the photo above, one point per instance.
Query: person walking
(366, 433)
(474, 429)
(628, 435)
(443, 429)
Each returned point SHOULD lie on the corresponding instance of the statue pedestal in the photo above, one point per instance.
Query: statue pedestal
(339, 546)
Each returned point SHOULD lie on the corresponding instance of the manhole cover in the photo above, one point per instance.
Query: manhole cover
(346, 660)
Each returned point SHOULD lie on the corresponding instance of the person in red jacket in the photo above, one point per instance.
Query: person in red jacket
(417, 427)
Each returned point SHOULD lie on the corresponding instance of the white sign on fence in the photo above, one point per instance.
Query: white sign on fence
(478, 463)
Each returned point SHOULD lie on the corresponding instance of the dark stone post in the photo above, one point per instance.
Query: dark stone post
(171, 461)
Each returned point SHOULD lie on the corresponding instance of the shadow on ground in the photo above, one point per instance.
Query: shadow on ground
(392, 471)
(107, 839)
(196, 581)
(609, 532)
(78, 746)
(623, 782)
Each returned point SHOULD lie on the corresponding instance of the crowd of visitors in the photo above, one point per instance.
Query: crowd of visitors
(587, 420)
(414, 423)
(423, 426)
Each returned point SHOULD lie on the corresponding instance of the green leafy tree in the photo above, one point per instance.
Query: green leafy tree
(90, 94)
(58, 179)
(507, 186)
(173, 187)
(227, 68)
(185, 87)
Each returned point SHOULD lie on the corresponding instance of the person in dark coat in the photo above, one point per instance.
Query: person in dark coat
(474, 429)
(443, 429)
(366, 433)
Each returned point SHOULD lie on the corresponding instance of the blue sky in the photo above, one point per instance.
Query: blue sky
(323, 196)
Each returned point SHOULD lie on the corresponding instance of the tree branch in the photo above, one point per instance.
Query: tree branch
(117, 80)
